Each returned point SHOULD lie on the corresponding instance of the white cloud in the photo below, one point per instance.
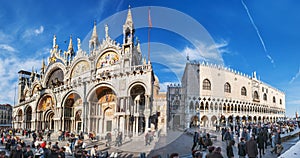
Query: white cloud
(295, 77)
(174, 60)
(7, 47)
(33, 32)
(209, 53)
(9, 67)
(5, 37)
(39, 31)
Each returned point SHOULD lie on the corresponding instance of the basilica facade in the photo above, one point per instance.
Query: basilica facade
(211, 95)
(109, 88)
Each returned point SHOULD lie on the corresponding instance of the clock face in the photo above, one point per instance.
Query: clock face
(107, 59)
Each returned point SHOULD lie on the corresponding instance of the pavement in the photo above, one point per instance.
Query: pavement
(176, 141)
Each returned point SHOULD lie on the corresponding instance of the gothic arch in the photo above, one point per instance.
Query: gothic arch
(204, 121)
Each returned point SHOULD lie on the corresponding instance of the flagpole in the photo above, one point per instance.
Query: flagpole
(149, 45)
(149, 28)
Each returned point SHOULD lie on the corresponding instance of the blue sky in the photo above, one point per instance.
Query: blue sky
(247, 36)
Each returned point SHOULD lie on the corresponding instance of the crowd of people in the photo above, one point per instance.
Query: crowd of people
(252, 140)
(42, 146)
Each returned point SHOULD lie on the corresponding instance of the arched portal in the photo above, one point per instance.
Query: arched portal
(139, 123)
(214, 120)
(237, 120)
(108, 120)
(244, 120)
(19, 119)
(259, 118)
(194, 121)
(222, 120)
(71, 104)
(255, 119)
(204, 121)
(49, 122)
(249, 119)
(28, 117)
(230, 119)
(45, 104)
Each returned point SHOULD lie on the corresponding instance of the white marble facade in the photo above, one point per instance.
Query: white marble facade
(213, 95)
(108, 89)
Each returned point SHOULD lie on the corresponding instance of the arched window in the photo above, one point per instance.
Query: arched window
(243, 91)
(265, 97)
(206, 84)
(227, 88)
(256, 97)
(274, 100)
(280, 101)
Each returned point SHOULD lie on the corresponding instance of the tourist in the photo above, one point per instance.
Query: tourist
(277, 140)
(210, 151)
(147, 138)
(242, 148)
(17, 152)
(197, 154)
(229, 150)
(55, 146)
(28, 153)
(217, 153)
(195, 140)
(251, 147)
(61, 153)
(261, 143)
(207, 141)
(94, 151)
(68, 150)
(108, 139)
(38, 151)
(48, 135)
(227, 136)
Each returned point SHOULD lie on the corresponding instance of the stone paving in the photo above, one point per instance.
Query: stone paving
(175, 141)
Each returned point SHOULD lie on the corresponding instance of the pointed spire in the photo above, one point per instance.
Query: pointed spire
(70, 47)
(129, 17)
(94, 34)
(94, 42)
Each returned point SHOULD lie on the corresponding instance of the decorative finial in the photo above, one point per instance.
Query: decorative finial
(94, 34)
(54, 41)
(78, 44)
(70, 44)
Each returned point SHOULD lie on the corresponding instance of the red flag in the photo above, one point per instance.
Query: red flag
(149, 19)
